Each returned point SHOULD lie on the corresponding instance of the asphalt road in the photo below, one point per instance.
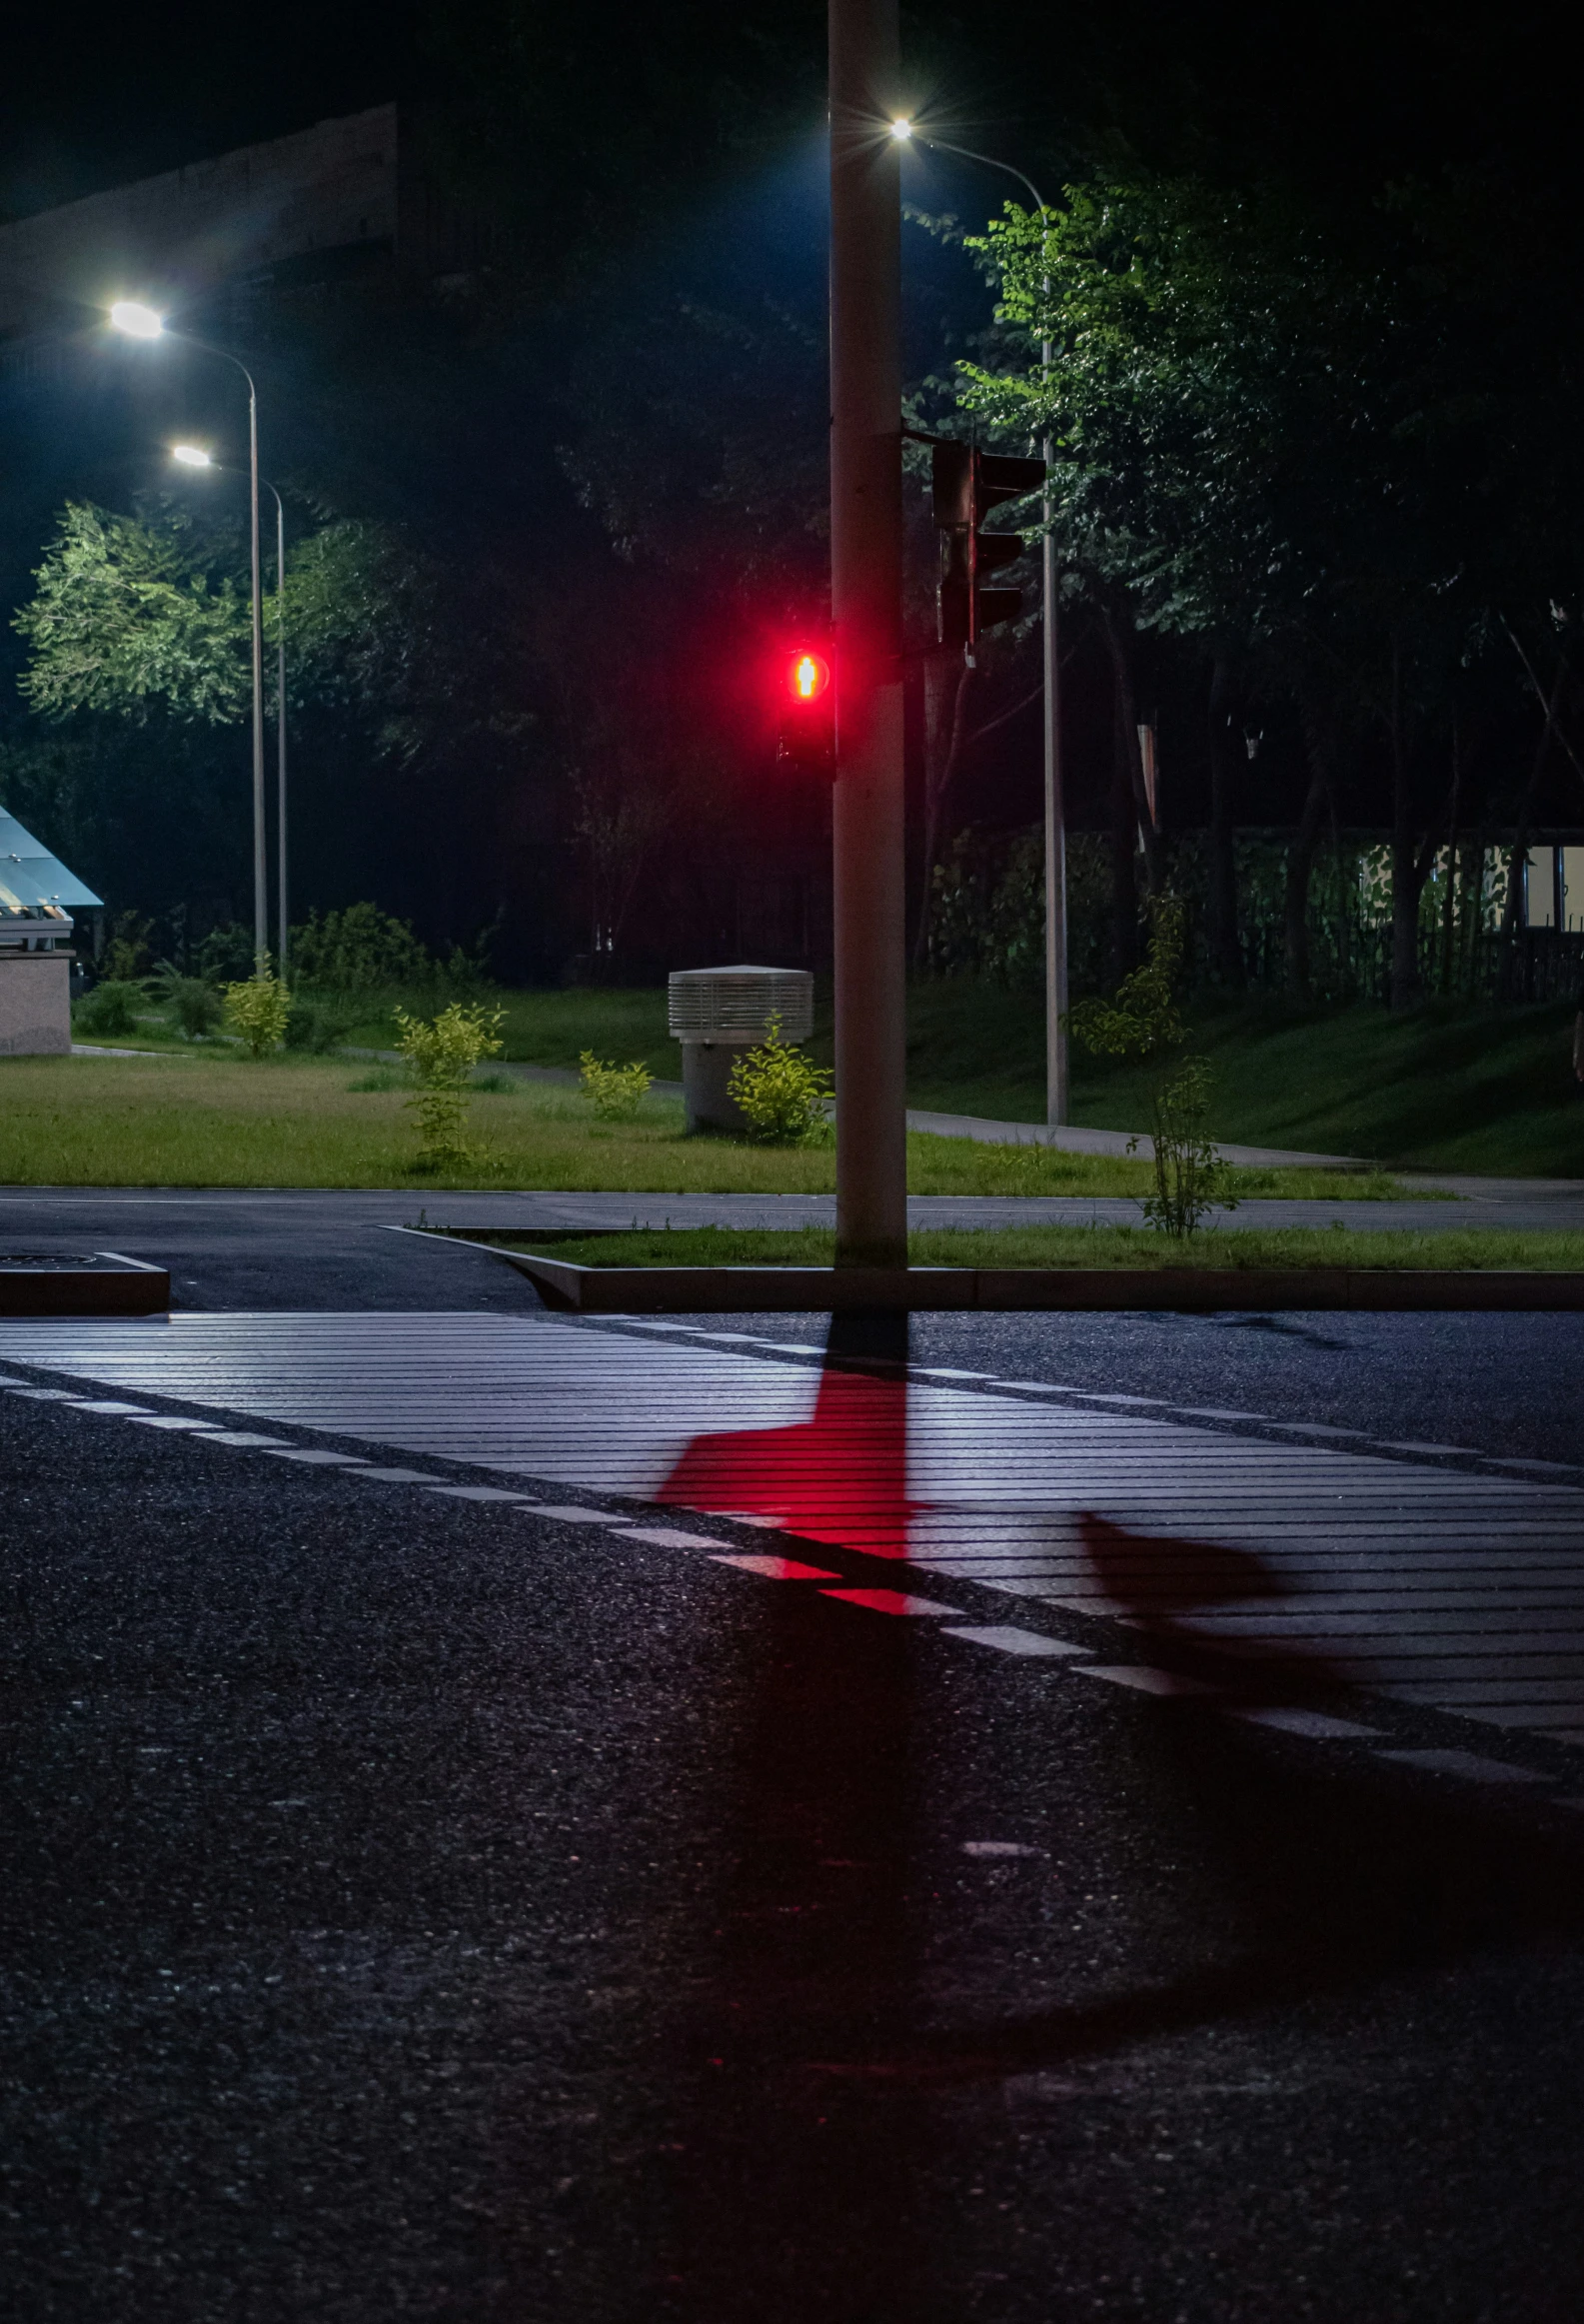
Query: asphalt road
(343, 1248)
(417, 1906)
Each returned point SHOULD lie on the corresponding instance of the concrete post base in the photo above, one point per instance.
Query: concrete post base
(35, 1005)
(705, 1070)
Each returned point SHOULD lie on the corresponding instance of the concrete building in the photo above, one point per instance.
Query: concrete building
(38, 897)
(345, 197)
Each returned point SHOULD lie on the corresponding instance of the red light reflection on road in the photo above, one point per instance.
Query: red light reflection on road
(839, 1477)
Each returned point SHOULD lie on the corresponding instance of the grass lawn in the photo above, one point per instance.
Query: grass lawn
(1443, 1087)
(1100, 1247)
(203, 1116)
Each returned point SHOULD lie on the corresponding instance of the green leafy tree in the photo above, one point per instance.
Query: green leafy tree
(136, 615)
(1308, 438)
(131, 617)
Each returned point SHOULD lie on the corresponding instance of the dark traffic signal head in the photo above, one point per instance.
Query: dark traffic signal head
(966, 483)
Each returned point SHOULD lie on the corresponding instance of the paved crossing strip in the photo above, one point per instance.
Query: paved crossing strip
(1441, 1588)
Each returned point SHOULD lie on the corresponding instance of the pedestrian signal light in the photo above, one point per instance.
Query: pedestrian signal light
(807, 677)
(808, 720)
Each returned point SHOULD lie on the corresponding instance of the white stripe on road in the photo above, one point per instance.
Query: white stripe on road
(1457, 1590)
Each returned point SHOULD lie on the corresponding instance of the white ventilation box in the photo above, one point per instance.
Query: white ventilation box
(716, 1014)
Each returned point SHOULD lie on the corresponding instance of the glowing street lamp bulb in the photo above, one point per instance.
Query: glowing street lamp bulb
(139, 322)
(902, 130)
(191, 456)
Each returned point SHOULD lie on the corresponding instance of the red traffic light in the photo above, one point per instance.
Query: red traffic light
(808, 710)
(808, 676)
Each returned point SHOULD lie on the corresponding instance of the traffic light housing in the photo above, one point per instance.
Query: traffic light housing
(966, 483)
(807, 709)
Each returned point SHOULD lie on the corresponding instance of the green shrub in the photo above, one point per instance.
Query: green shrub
(192, 1001)
(225, 954)
(110, 1008)
(781, 1096)
(442, 1055)
(257, 1009)
(615, 1091)
(1144, 1015)
(127, 956)
(316, 1025)
(1191, 1177)
(358, 950)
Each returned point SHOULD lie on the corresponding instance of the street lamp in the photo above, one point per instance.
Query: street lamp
(904, 132)
(194, 456)
(139, 322)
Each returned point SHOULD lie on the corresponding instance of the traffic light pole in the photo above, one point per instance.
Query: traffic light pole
(866, 594)
(1055, 827)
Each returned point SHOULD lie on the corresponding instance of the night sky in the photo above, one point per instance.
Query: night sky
(650, 159)
(92, 100)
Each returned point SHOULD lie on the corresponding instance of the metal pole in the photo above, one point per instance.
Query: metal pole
(1056, 805)
(1055, 827)
(866, 597)
(280, 722)
(261, 922)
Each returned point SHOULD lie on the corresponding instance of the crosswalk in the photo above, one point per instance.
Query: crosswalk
(1439, 1586)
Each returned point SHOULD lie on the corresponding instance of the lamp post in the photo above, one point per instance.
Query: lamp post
(140, 322)
(866, 606)
(194, 456)
(1055, 809)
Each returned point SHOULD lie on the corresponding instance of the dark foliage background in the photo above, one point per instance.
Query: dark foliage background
(603, 439)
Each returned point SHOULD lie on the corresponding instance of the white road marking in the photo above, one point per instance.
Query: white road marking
(893, 1601)
(672, 1538)
(1399, 1574)
(1319, 1727)
(478, 1492)
(318, 1459)
(1468, 1764)
(569, 1514)
(1012, 1641)
(170, 1421)
(1142, 1679)
(776, 1568)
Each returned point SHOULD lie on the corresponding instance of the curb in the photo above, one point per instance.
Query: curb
(697, 1291)
(102, 1282)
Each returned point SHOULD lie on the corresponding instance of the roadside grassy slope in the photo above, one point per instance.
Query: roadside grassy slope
(211, 1118)
(1078, 1247)
(1443, 1088)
